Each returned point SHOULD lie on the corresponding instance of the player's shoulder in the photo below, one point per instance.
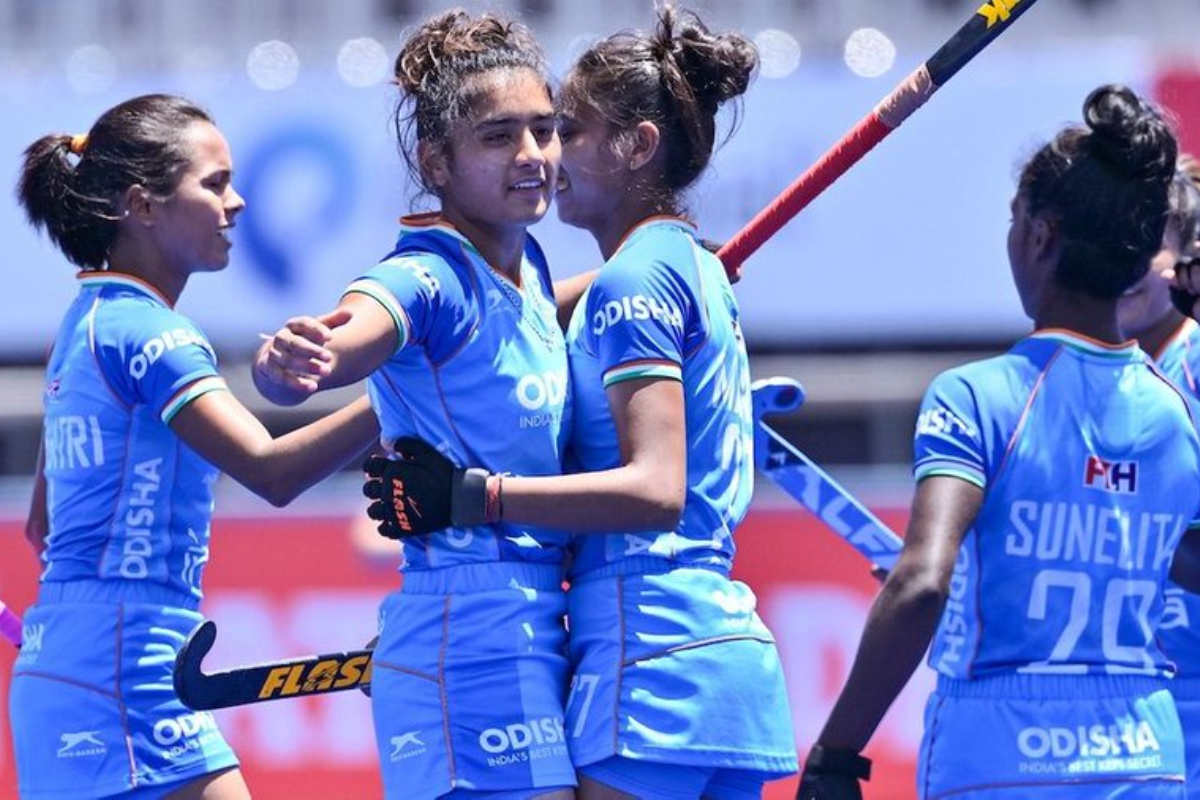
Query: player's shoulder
(129, 317)
(980, 374)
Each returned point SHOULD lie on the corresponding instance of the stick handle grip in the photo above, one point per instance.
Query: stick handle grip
(10, 625)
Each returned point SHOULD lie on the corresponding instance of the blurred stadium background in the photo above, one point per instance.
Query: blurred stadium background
(896, 273)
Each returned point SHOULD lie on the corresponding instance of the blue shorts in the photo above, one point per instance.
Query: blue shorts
(671, 782)
(1051, 736)
(92, 705)
(1187, 700)
(469, 680)
(676, 668)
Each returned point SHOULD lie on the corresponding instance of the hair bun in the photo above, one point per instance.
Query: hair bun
(1129, 133)
(717, 67)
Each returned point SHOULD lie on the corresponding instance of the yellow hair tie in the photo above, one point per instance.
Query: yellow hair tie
(79, 143)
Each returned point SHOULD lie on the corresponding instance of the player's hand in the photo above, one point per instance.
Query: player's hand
(833, 775)
(294, 360)
(421, 491)
(1185, 286)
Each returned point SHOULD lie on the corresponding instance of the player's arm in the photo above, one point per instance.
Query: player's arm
(1185, 566)
(309, 354)
(567, 293)
(905, 614)
(37, 524)
(646, 493)
(422, 491)
(218, 427)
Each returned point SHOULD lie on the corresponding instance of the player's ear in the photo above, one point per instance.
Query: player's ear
(137, 204)
(1043, 235)
(646, 138)
(434, 164)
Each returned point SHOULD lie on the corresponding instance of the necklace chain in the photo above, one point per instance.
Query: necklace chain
(525, 307)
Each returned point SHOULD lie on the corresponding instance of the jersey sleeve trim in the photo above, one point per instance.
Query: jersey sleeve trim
(950, 469)
(380, 295)
(187, 394)
(642, 369)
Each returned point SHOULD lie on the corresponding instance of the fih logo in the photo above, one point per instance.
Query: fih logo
(81, 743)
(1117, 477)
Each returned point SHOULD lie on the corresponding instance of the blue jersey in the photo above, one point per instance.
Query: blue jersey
(1179, 358)
(1087, 457)
(662, 307)
(479, 371)
(127, 499)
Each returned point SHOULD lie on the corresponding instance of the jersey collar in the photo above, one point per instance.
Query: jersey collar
(648, 222)
(1087, 344)
(100, 278)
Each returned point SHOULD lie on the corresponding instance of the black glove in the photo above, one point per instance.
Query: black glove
(833, 775)
(421, 491)
(1182, 299)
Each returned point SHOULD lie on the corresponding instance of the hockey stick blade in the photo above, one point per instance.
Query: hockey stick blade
(811, 486)
(304, 676)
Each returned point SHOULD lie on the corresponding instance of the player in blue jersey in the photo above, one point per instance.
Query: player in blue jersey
(677, 689)
(138, 422)
(1173, 341)
(457, 334)
(1056, 489)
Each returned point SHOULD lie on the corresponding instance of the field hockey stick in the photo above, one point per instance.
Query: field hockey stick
(989, 21)
(10, 625)
(304, 676)
(812, 486)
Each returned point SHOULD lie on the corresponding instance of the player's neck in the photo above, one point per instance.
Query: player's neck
(127, 257)
(1088, 316)
(502, 247)
(1153, 338)
(615, 229)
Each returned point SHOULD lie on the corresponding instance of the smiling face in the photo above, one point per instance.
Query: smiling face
(499, 166)
(191, 227)
(593, 185)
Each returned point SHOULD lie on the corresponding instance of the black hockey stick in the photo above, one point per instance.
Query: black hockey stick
(304, 676)
(990, 20)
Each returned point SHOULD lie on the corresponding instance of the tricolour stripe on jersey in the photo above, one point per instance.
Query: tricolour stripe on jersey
(643, 369)
(376, 291)
(105, 277)
(213, 383)
(947, 467)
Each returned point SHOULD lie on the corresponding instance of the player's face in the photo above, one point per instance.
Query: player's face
(1025, 255)
(592, 186)
(501, 163)
(192, 226)
(1148, 301)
